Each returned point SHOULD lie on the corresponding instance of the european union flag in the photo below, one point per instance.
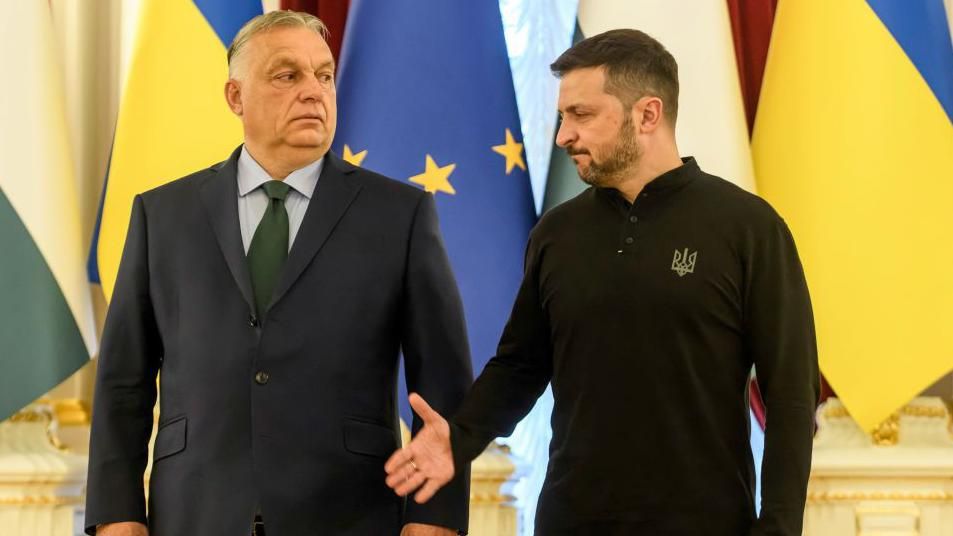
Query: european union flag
(425, 95)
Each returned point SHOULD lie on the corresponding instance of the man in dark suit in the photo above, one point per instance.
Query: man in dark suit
(273, 292)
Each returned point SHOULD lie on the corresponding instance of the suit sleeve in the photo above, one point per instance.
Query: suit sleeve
(125, 389)
(512, 380)
(779, 331)
(436, 354)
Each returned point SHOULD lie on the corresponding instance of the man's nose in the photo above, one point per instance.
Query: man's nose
(313, 89)
(565, 135)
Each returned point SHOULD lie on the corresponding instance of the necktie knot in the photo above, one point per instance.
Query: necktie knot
(276, 190)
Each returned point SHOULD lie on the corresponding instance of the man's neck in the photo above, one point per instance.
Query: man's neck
(649, 168)
(281, 163)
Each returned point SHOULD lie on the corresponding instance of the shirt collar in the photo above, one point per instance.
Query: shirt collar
(669, 181)
(674, 177)
(251, 175)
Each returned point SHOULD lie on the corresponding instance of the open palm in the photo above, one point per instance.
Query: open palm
(426, 463)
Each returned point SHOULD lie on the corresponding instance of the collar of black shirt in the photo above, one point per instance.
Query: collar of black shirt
(666, 182)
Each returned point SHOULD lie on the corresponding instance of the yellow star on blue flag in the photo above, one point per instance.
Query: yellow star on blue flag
(512, 151)
(355, 159)
(435, 178)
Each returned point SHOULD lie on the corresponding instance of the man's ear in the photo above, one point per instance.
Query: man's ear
(648, 113)
(233, 96)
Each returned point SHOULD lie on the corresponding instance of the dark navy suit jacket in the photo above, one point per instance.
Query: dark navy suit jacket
(293, 412)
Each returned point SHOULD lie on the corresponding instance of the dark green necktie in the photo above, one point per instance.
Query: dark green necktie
(269, 246)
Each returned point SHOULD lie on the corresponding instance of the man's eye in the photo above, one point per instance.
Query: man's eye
(286, 77)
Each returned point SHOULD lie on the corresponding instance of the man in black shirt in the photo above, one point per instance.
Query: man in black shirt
(645, 301)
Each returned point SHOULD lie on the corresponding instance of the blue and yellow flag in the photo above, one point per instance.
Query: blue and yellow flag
(173, 118)
(853, 144)
(425, 95)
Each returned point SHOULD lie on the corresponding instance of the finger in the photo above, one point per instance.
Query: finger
(427, 491)
(412, 481)
(400, 475)
(398, 459)
(422, 408)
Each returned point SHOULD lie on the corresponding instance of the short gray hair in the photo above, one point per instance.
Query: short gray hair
(271, 20)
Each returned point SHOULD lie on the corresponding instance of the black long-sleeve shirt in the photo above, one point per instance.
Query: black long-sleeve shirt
(647, 319)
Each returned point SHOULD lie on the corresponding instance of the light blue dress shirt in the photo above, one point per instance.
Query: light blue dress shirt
(252, 200)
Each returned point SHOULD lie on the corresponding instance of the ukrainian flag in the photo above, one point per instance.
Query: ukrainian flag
(173, 118)
(854, 146)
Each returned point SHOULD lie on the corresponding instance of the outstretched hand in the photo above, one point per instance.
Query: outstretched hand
(426, 463)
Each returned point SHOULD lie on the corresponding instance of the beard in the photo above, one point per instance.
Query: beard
(622, 158)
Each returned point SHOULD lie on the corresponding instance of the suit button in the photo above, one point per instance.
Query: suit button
(253, 321)
(629, 240)
(261, 377)
(633, 219)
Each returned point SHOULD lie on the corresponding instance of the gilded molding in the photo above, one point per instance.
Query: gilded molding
(851, 496)
(482, 498)
(30, 415)
(925, 411)
(41, 501)
(69, 411)
(887, 433)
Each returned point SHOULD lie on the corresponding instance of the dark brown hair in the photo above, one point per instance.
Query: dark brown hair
(636, 65)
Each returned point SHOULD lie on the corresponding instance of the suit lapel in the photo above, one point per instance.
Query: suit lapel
(332, 196)
(220, 196)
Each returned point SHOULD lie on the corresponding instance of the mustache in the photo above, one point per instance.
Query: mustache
(572, 151)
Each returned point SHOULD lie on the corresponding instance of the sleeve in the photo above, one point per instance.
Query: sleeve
(513, 379)
(125, 393)
(436, 354)
(779, 331)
